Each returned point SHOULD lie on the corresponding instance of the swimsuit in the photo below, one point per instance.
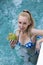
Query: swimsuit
(27, 52)
(27, 45)
(39, 37)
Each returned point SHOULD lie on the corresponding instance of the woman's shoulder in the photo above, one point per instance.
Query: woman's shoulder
(33, 31)
(17, 32)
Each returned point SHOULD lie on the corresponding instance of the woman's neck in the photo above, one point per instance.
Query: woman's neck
(24, 32)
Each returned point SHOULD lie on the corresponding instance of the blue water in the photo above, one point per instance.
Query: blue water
(9, 10)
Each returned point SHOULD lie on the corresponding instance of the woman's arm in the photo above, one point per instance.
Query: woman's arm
(38, 44)
(14, 42)
(37, 32)
(40, 40)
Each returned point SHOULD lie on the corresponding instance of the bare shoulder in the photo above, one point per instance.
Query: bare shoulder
(17, 32)
(34, 31)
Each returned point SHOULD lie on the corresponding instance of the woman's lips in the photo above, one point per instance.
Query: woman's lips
(22, 28)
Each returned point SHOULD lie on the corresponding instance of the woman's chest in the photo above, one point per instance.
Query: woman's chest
(24, 38)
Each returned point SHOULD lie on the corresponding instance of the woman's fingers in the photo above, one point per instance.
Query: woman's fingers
(12, 43)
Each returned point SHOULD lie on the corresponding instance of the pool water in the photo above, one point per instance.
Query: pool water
(9, 10)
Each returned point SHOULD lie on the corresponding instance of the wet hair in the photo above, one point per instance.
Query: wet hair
(28, 14)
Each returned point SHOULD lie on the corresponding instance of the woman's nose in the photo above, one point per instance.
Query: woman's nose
(21, 25)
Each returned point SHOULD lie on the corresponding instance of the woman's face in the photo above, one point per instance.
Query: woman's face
(23, 23)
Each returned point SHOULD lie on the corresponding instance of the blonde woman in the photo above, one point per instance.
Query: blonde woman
(27, 35)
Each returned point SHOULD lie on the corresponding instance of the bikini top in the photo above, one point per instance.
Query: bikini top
(27, 45)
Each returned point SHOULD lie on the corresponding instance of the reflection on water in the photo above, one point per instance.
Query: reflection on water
(9, 10)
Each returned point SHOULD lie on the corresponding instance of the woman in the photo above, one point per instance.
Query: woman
(27, 35)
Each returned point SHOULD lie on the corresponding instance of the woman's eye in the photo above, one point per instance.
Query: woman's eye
(24, 23)
(19, 22)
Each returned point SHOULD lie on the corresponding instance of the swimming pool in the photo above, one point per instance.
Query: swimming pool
(9, 10)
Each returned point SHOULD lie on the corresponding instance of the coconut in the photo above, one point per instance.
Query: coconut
(12, 36)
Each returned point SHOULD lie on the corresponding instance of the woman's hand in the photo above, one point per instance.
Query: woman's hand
(38, 45)
(13, 43)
